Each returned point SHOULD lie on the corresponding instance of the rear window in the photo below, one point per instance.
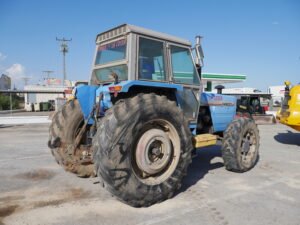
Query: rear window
(111, 52)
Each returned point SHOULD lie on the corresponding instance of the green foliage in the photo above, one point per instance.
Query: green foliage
(5, 102)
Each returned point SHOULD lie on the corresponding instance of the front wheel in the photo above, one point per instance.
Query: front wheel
(240, 145)
(142, 149)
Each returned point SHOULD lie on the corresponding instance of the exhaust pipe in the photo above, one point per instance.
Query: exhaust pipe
(199, 51)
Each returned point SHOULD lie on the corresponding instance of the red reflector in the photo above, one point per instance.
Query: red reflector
(68, 91)
(115, 88)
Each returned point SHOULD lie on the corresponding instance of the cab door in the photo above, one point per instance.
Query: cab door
(183, 71)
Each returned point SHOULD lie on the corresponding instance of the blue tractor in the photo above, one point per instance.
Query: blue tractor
(138, 122)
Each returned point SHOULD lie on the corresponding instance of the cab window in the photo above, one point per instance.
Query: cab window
(183, 68)
(105, 74)
(111, 52)
(151, 64)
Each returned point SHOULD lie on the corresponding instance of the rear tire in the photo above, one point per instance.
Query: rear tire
(62, 132)
(142, 149)
(240, 145)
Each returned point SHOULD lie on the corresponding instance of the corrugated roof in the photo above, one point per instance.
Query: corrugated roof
(127, 28)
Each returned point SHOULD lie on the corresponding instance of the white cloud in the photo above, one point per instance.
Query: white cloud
(16, 71)
(275, 23)
(2, 56)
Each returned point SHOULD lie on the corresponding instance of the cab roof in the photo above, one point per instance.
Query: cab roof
(128, 28)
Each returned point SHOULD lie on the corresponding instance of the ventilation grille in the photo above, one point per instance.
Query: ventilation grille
(111, 34)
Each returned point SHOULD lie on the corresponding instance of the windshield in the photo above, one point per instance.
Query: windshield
(111, 52)
(115, 53)
(107, 74)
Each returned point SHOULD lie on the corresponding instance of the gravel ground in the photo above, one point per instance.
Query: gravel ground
(35, 190)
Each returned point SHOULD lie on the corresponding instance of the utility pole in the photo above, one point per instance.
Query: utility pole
(48, 73)
(10, 100)
(48, 76)
(25, 79)
(64, 49)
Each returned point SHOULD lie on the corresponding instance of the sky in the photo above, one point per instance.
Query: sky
(257, 38)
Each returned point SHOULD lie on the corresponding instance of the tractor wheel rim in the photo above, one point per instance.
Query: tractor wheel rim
(157, 152)
(248, 146)
(153, 151)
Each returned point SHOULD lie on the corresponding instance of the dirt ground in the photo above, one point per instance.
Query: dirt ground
(35, 190)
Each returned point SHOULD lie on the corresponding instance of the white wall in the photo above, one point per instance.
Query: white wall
(277, 93)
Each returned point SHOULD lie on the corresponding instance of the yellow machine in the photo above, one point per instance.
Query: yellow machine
(289, 113)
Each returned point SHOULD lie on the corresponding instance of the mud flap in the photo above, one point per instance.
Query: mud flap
(86, 96)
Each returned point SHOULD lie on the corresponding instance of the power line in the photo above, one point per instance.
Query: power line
(48, 73)
(64, 48)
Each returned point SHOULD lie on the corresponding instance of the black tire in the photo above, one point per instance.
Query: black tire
(116, 149)
(62, 132)
(240, 145)
(244, 114)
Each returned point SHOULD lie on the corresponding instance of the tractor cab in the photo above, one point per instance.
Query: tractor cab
(142, 60)
(132, 53)
(131, 60)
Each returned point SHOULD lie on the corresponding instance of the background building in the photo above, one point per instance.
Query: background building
(210, 80)
(5, 82)
(52, 92)
(277, 94)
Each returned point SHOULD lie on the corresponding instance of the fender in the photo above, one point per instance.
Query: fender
(88, 95)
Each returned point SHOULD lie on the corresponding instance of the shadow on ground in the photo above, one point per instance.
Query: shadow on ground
(8, 126)
(289, 138)
(201, 165)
